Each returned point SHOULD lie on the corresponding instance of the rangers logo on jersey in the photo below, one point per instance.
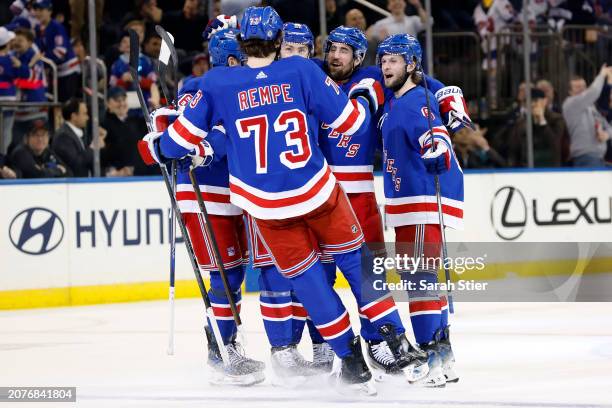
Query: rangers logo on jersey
(425, 111)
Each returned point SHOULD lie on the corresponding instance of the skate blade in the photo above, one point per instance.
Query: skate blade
(416, 372)
(451, 376)
(366, 389)
(435, 379)
(245, 380)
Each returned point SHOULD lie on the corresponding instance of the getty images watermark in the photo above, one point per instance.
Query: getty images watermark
(407, 266)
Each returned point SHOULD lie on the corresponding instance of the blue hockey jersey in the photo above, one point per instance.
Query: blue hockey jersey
(271, 116)
(146, 76)
(351, 158)
(32, 88)
(8, 74)
(213, 179)
(54, 42)
(409, 189)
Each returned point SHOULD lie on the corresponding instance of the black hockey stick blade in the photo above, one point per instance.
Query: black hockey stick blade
(134, 55)
(168, 53)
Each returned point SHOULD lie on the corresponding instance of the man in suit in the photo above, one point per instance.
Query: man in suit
(70, 142)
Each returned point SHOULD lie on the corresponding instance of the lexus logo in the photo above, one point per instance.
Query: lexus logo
(36, 231)
(509, 213)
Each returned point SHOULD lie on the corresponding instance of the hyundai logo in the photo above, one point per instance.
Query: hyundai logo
(36, 231)
(509, 213)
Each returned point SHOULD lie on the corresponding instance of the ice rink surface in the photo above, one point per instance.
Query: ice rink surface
(539, 355)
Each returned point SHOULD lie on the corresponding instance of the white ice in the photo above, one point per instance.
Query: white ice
(508, 355)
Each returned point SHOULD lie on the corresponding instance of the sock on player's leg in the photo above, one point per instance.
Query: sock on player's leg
(220, 303)
(425, 313)
(376, 307)
(275, 301)
(325, 308)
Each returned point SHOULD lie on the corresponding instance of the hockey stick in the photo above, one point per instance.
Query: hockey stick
(168, 51)
(134, 53)
(164, 56)
(451, 308)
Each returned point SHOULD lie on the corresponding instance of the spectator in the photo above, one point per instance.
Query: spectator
(120, 75)
(34, 158)
(491, 17)
(147, 12)
(10, 70)
(5, 171)
(548, 130)
(53, 41)
(151, 46)
(122, 136)
(477, 154)
(70, 142)
(399, 22)
(332, 15)
(545, 86)
(199, 66)
(230, 7)
(186, 25)
(588, 129)
(355, 18)
(303, 11)
(31, 89)
(78, 11)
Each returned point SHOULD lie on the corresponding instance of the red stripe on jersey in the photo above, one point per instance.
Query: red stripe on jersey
(424, 306)
(282, 202)
(185, 133)
(333, 330)
(276, 312)
(354, 176)
(350, 121)
(422, 207)
(378, 308)
(211, 197)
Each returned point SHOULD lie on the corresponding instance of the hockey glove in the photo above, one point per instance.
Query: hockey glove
(202, 155)
(221, 22)
(162, 118)
(437, 160)
(149, 151)
(453, 108)
(371, 90)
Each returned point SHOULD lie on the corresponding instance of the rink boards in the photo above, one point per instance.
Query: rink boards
(97, 241)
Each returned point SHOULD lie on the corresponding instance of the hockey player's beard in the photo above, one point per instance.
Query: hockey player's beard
(396, 85)
(339, 73)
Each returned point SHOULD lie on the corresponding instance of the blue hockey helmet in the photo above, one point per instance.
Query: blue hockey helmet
(400, 44)
(261, 23)
(351, 36)
(298, 34)
(223, 44)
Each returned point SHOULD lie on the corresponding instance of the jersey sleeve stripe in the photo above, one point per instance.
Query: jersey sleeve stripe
(183, 129)
(354, 120)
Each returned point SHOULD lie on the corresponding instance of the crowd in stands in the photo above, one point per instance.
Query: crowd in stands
(34, 34)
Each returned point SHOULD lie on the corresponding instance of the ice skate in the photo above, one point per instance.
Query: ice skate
(241, 370)
(351, 373)
(448, 358)
(396, 355)
(435, 377)
(290, 368)
(322, 356)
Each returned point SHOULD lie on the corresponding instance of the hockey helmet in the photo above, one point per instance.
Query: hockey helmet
(351, 36)
(400, 44)
(223, 45)
(298, 34)
(261, 23)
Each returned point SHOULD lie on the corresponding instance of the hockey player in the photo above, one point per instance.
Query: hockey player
(412, 156)
(227, 225)
(351, 159)
(283, 314)
(278, 173)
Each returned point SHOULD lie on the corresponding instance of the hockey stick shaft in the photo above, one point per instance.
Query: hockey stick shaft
(134, 53)
(451, 307)
(171, 289)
